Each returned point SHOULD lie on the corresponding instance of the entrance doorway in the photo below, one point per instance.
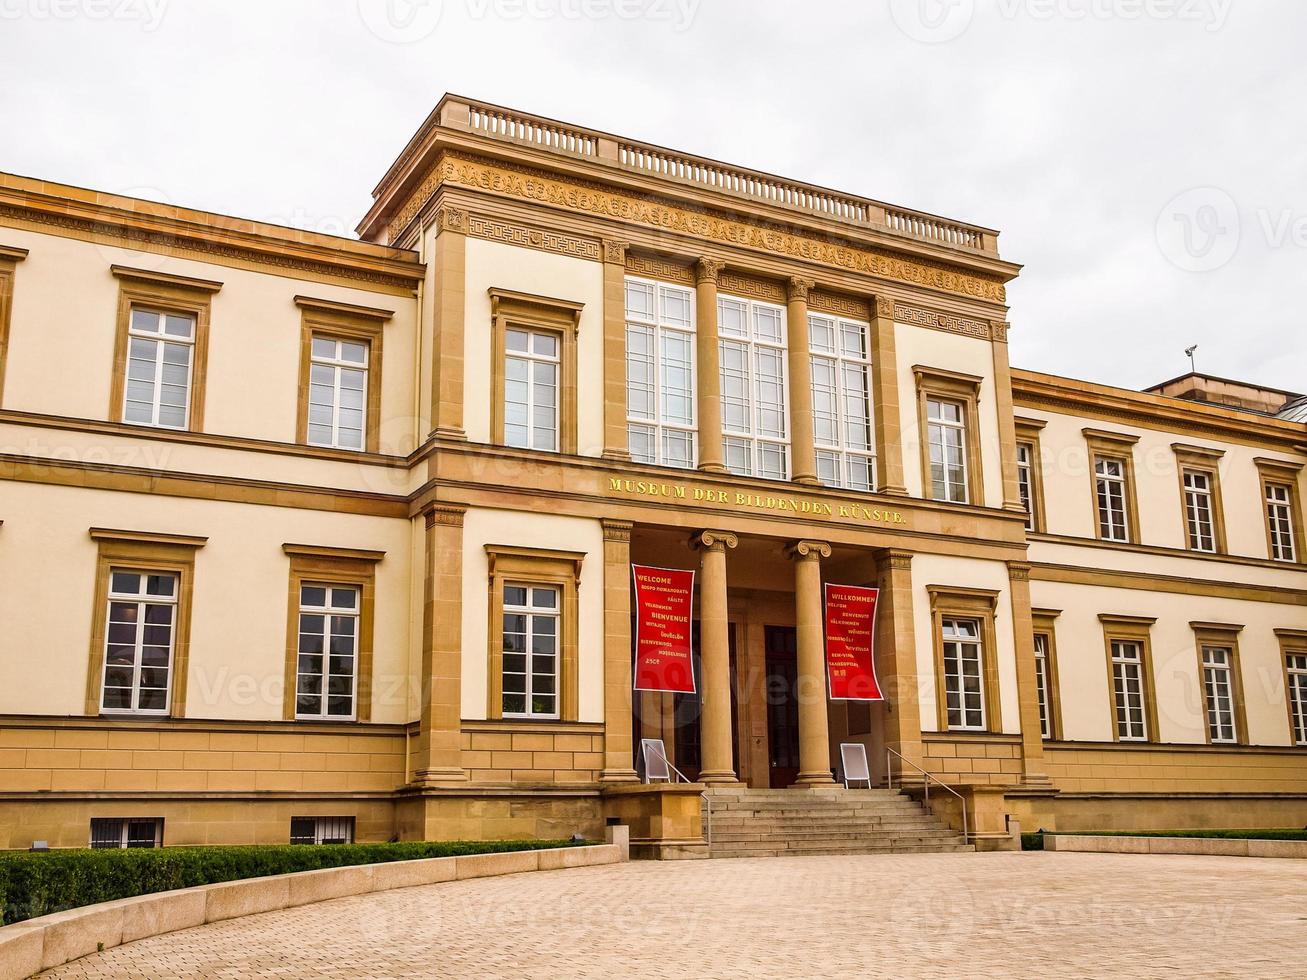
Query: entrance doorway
(781, 646)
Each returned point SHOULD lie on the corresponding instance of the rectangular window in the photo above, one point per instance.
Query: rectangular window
(1128, 686)
(755, 423)
(326, 671)
(140, 636)
(1199, 511)
(530, 654)
(841, 402)
(660, 374)
(532, 364)
(1218, 689)
(1279, 518)
(338, 392)
(1044, 685)
(1296, 676)
(322, 830)
(124, 832)
(947, 434)
(1110, 492)
(1026, 481)
(963, 675)
(160, 356)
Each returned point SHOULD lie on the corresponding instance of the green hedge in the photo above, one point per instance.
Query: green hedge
(1032, 842)
(1217, 834)
(38, 884)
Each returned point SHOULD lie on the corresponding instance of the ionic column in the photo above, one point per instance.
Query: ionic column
(1023, 628)
(709, 379)
(618, 748)
(885, 383)
(717, 765)
(896, 661)
(448, 275)
(814, 727)
(1007, 426)
(439, 756)
(615, 437)
(801, 437)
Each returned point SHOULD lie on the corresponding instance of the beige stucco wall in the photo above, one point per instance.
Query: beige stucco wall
(483, 526)
(967, 355)
(928, 570)
(65, 315)
(238, 622)
(494, 265)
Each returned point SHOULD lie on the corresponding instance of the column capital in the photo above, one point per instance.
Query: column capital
(451, 219)
(894, 558)
(882, 306)
(713, 540)
(1018, 571)
(807, 551)
(615, 251)
(708, 269)
(617, 530)
(450, 515)
(998, 331)
(797, 289)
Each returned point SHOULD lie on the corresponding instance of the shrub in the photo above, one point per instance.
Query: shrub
(1206, 834)
(38, 884)
(1032, 842)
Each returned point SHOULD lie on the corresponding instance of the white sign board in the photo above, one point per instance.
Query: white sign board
(853, 759)
(655, 760)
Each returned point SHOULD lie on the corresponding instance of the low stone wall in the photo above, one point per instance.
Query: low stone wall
(1177, 845)
(27, 948)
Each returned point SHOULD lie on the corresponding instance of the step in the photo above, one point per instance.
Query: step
(818, 852)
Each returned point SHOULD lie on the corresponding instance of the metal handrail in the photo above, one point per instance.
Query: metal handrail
(889, 782)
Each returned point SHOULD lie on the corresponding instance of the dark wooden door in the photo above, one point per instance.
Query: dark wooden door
(781, 646)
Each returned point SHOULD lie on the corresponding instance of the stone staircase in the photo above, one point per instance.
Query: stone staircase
(830, 820)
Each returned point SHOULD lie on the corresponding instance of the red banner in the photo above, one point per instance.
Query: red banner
(850, 643)
(664, 606)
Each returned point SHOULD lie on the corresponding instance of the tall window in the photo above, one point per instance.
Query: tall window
(123, 832)
(338, 392)
(1110, 492)
(660, 374)
(1026, 481)
(1044, 685)
(140, 638)
(1218, 689)
(160, 355)
(754, 421)
(1296, 676)
(963, 684)
(531, 372)
(841, 402)
(326, 671)
(1279, 518)
(531, 635)
(1199, 511)
(1128, 687)
(947, 434)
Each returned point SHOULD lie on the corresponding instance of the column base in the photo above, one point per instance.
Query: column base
(619, 776)
(808, 480)
(713, 468)
(456, 433)
(893, 491)
(718, 776)
(616, 455)
(424, 778)
(807, 779)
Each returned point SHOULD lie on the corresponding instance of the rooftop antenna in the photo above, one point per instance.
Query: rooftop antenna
(1189, 353)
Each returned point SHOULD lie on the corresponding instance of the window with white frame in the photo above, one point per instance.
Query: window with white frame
(660, 374)
(1279, 517)
(963, 674)
(755, 425)
(1218, 689)
(140, 637)
(1110, 491)
(532, 367)
(841, 402)
(530, 656)
(1044, 685)
(124, 832)
(1128, 689)
(1295, 665)
(322, 830)
(947, 434)
(1026, 481)
(338, 392)
(160, 361)
(327, 663)
(1199, 511)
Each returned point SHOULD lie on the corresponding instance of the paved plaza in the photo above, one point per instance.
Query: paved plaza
(927, 915)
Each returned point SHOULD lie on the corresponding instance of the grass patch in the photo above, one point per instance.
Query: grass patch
(38, 884)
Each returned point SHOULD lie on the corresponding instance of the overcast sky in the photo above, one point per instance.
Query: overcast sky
(1144, 159)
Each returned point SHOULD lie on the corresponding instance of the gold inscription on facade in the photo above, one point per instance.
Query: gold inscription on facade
(712, 496)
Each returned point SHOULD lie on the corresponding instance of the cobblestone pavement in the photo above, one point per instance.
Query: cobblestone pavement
(922, 915)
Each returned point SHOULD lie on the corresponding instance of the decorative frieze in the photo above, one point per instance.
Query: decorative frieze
(751, 287)
(946, 322)
(657, 267)
(494, 230)
(849, 306)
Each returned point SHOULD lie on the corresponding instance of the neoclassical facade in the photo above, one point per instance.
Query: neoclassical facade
(307, 538)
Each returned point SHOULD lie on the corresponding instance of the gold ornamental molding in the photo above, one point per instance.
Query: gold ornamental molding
(849, 306)
(751, 287)
(946, 322)
(656, 267)
(591, 198)
(494, 230)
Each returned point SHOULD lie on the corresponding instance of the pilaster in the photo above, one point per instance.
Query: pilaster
(1033, 772)
(885, 384)
(438, 760)
(708, 376)
(615, 437)
(896, 659)
(618, 746)
(1007, 426)
(449, 263)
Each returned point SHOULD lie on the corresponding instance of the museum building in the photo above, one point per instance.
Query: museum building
(305, 538)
